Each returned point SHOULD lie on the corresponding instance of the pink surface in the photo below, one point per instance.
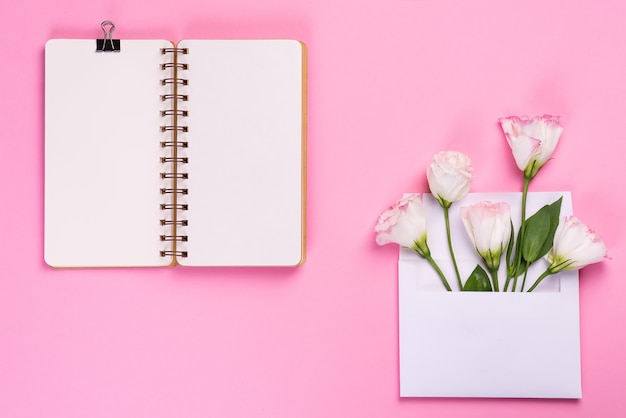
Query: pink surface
(390, 84)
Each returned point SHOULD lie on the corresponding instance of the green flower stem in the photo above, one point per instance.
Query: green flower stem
(520, 235)
(524, 280)
(438, 270)
(524, 194)
(506, 283)
(446, 214)
(494, 277)
(543, 276)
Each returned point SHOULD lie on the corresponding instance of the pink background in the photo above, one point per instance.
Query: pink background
(391, 82)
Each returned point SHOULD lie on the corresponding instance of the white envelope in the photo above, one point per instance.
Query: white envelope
(483, 344)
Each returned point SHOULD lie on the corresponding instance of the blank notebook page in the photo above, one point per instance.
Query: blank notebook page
(102, 154)
(245, 152)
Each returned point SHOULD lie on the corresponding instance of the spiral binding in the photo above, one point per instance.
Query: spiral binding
(174, 238)
(182, 97)
(174, 206)
(174, 176)
(174, 128)
(174, 253)
(174, 191)
(173, 160)
(177, 112)
(182, 222)
(174, 65)
(181, 160)
(175, 51)
(181, 144)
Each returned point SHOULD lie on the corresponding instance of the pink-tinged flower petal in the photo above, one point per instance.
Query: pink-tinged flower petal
(449, 176)
(511, 125)
(404, 223)
(548, 131)
(524, 148)
(575, 246)
(539, 137)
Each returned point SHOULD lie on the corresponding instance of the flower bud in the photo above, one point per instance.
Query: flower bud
(449, 177)
(489, 227)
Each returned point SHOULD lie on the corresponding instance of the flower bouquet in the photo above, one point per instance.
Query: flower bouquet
(476, 342)
(565, 242)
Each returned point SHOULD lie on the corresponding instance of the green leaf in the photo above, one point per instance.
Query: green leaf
(536, 232)
(555, 213)
(478, 281)
(539, 231)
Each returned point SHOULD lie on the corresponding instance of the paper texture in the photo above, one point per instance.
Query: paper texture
(102, 154)
(481, 344)
(246, 178)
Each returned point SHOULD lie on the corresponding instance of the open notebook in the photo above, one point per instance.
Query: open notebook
(163, 154)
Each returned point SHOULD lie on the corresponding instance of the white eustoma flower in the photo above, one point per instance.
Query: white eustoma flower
(449, 177)
(489, 227)
(532, 140)
(575, 246)
(404, 223)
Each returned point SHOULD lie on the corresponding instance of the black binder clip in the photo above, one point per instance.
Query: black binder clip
(108, 44)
